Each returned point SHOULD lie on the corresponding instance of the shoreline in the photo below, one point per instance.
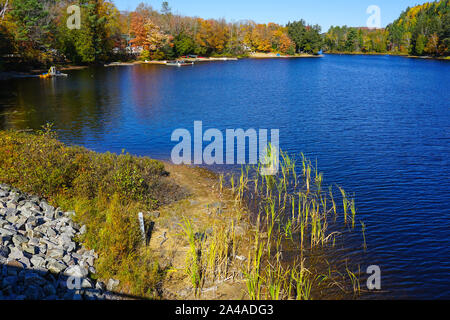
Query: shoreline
(261, 55)
(6, 75)
(388, 54)
(206, 205)
(201, 239)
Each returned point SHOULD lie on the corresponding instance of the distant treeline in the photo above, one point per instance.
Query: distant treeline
(36, 32)
(421, 30)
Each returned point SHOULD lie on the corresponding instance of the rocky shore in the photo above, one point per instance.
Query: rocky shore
(39, 257)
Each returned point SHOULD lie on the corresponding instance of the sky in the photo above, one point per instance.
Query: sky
(323, 12)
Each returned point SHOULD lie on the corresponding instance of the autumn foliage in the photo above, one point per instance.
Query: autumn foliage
(420, 30)
(34, 33)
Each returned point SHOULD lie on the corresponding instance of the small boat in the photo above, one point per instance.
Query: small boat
(52, 73)
(179, 63)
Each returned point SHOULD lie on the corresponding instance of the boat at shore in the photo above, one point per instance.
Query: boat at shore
(179, 63)
(52, 73)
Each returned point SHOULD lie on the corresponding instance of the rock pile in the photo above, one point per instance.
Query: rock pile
(39, 259)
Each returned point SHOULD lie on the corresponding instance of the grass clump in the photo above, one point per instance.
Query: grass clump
(106, 191)
(291, 213)
(193, 257)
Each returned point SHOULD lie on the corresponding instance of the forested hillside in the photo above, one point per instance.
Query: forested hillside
(35, 32)
(421, 30)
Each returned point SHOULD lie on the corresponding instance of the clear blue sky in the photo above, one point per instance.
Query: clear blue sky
(322, 12)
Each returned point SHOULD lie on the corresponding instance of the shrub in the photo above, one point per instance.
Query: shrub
(40, 164)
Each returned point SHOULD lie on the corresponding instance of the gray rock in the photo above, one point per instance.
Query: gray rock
(42, 248)
(91, 294)
(26, 213)
(51, 233)
(34, 242)
(65, 240)
(13, 205)
(48, 243)
(86, 284)
(19, 239)
(4, 251)
(30, 249)
(71, 246)
(32, 220)
(15, 254)
(47, 208)
(56, 253)
(90, 261)
(112, 284)
(38, 261)
(77, 256)
(10, 228)
(24, 260)
(76, 271)
(35, 239)
(67, 258)
(100, 286)
(12, 219)
(56, 267)
(83, 229)
(49, 215)
(20, 223)
(71, 214)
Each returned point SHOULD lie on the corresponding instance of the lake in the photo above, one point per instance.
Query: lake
(378, 126)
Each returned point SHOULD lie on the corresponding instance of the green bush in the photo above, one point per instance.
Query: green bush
(40, 164)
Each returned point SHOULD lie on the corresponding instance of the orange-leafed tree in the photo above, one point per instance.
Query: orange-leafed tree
(146, 34)
(258, 38)
(281, 40)
(262, 38)
(211, 36)
(137, 29)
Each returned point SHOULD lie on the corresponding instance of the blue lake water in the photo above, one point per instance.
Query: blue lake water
(378, 126)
